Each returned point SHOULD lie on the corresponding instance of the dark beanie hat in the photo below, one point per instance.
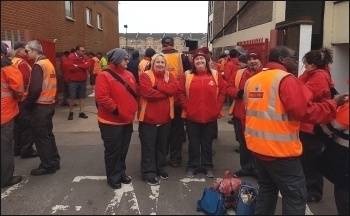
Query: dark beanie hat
(254, 53)
(167, 40)
(3, 48)
(116, 55)
(243, 58)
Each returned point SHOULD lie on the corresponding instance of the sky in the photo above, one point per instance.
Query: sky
(157, 17)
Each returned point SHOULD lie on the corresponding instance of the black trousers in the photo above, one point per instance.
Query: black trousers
(65, 92)
(177, 136)
(246, 158)
(39, 122)
(200, 138)
(312, 148)
(19, 130)
(341, 197)
(284, 175)
(116, 140)
(7, 159)
(153, 148)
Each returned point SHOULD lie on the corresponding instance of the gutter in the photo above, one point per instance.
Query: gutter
(231, 20)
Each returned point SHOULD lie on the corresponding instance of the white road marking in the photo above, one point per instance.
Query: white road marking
(77, 208)
(155, 196)
(13, 188)
(79, 178)
(59, 208)
(118, 194)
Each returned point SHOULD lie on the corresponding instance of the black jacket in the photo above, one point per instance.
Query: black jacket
(133, 68)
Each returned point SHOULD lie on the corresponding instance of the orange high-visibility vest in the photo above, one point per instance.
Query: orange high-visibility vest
(189, 78)
(142, 65)
(174, 64)
(16, 61)
(49, 86)
(143, 102)
(238, 79)
(9, 104)
(269, 129)
(97, 66)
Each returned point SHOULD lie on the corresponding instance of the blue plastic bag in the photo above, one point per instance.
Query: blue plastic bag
(246, 199)
(212, 202)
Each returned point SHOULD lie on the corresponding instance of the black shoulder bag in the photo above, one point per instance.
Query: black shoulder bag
(127, 86)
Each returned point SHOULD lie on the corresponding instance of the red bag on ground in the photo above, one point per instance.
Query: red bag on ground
(229, 187)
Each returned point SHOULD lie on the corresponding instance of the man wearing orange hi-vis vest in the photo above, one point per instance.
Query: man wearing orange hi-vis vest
(157, 90)
(12, 91)
(177, 63)
(40, 108)
(235, 90)
(276, 102)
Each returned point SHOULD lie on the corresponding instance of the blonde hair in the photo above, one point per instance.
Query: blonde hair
(156, 56)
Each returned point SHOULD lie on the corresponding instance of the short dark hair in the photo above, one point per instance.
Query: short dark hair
(135, 54)
(234, 53)
(150, 52)
(78, 47)
(278, 51)
(98, 53)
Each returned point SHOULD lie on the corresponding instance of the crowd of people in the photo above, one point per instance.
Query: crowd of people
(280, 120)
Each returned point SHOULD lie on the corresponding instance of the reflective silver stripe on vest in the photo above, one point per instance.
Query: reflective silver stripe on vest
(268, 115)
(337, 126)
(6, 94)
(272, 136)
(341, 141)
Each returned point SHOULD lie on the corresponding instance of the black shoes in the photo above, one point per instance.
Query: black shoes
(230, 122)
(164, 175)
(152, 181)
(125, 180)
(32, 154)
(240, 173)
(43, 171)
(236, 150)
(115, 185)
(15, 180)
(70, 116)
(82, 115)
(312, 199)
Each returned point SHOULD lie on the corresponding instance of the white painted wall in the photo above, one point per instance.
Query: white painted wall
(304, 44)
(340, 67)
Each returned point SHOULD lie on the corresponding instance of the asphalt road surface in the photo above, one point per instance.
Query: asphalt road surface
(80, 188)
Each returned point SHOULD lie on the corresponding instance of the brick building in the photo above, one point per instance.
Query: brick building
(142, 41)
(301, 25)
(92, 24)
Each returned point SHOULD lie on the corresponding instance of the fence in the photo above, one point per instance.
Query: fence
(259, 44)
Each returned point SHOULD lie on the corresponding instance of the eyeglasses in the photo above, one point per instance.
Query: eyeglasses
(126, 59)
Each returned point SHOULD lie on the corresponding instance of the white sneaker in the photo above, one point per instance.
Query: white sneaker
(92, 95)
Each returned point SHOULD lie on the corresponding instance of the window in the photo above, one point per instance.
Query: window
(68, 5)
(99, 21)
(88, 17)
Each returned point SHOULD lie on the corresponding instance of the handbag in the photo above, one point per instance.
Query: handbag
(246, 199)
(212, 202)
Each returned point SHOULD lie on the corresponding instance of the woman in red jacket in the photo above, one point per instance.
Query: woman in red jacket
(116, 111)
(201, 93)
(157, 88)
(317, 78)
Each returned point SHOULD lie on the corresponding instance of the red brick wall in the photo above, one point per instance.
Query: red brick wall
(257, 13)
(47, 20)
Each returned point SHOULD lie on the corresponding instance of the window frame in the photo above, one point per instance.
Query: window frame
(99, 21)
(70, 15)
(88, 13)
